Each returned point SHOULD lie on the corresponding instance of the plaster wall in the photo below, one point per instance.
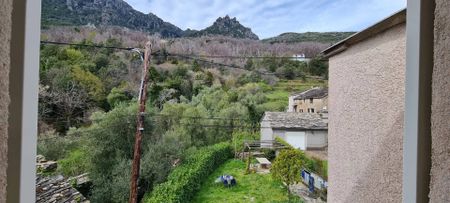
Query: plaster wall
(366, 95)
(440, 108)
(5, 36)
(316, 139)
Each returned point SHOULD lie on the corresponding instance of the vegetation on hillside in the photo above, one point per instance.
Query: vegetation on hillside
(104, 13)
(87, 102)
(322, 37)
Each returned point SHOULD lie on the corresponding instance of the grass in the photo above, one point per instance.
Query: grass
(250, 188)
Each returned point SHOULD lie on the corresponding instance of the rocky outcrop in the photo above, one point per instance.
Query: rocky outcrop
(226, 26)
(104, 13)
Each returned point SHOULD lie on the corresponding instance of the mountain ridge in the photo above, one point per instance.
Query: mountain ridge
(323, 37)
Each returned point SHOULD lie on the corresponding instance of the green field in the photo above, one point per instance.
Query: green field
(249, 188)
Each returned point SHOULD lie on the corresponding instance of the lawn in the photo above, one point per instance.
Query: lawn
(249, 188)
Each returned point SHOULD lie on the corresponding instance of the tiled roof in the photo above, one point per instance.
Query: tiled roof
(56, 189)
(295, 120)
(314, 93)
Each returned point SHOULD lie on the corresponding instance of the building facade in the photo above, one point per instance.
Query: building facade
(314, 100)
(367, 95)
(301, 130)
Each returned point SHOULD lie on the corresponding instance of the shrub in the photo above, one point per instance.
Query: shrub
(184, 181)
(320, 167)
(287, 166)
(75, 163)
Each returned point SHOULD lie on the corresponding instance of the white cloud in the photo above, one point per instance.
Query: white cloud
(271, 17)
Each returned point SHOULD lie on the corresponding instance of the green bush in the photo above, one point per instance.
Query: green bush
(185, 180)
(320, 167)
(75, 163)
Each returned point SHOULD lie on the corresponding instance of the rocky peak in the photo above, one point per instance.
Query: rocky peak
(227, 26)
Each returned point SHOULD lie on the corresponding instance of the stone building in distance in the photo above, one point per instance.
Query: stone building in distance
(314, 100)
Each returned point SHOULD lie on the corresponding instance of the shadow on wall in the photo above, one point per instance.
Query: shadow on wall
(381, 181)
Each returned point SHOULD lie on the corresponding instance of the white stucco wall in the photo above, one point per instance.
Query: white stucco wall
(316, 139)
(366, 95)
(440, 108)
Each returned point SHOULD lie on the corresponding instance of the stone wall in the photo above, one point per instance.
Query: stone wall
(366, 95)
(5, 36)
(440, 116)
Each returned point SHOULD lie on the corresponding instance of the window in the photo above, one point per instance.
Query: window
(311, 100)
(301, 110)
(295, 108)
(312, 110)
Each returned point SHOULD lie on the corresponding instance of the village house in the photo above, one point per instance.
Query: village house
(301, 57)
(314, 100)
(301, 130)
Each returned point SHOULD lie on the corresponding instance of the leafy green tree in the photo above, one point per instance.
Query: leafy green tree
(249, 64)
(118, 95)
(90, 82)
(196, 66)
(318, 66)
(287, 167)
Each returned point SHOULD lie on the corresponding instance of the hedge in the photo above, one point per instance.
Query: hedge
(185, 180)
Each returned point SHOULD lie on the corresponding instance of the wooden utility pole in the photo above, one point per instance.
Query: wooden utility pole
(140, 126)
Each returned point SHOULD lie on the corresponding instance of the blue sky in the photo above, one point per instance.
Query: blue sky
(269, 18)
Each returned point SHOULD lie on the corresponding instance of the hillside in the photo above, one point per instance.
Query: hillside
(119, 13)
(225, 26)
(323, 37)
(104, 13)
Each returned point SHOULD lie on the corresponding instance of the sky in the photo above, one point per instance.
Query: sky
(268, 18)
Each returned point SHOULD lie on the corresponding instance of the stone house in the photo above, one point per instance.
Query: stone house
(314, 100)
(301, 130)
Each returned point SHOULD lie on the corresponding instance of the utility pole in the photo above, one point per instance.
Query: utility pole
(140, 126)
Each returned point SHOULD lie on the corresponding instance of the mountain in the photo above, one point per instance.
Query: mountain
(323, 37)
(225, 26)
(104, 13)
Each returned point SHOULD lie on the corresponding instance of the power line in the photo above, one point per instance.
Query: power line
(235, 57)
(186, 56)
(172, 54)
(201, 118)
(89, 45)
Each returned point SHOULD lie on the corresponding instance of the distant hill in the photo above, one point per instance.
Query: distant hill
(322, 37)
(104, 13)
(225, 26)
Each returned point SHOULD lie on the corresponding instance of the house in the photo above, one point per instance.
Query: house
(301, 130)
(366, 126)
(300, 57)
(311, 101)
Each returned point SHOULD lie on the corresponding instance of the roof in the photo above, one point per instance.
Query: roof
(385, 24)
(56, 189)
(295, 120)
(314, 93)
